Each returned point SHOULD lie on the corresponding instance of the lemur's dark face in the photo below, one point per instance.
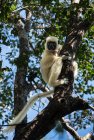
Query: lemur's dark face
(51, 45)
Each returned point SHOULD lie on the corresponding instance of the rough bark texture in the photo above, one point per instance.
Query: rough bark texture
(63, 103)
(45, 121)
(20, 81)
(20, 86)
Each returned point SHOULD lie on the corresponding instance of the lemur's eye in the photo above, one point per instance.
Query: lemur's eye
(51, 45)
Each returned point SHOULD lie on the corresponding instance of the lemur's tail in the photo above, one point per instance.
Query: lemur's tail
(23, 112)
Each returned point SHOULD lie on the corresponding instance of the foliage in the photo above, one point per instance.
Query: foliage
(49, 18)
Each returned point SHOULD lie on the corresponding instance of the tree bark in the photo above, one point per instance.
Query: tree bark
(63, 103)
(20, 86)
(45, 121)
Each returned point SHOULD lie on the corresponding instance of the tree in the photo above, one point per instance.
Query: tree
(73, 23)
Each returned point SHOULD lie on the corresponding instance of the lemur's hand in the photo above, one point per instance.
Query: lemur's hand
(64, 57)
(64, 81)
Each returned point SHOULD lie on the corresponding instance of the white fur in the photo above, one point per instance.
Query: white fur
(23, 112)
(75, 65)
(50, 65)
(52, 38)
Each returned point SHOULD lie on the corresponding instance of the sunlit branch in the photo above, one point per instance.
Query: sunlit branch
(70, 129)
(74, 133)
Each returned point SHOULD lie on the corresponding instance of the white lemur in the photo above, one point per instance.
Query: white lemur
(50, 67)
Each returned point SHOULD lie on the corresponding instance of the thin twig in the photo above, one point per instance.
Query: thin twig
(91, 107)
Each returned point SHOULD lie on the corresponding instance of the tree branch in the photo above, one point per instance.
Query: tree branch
(53, 112)
(91, 107)
(28, 21)
(62, 104)
(21, 31)
(87, 136)
(70, 129)
(74, 133)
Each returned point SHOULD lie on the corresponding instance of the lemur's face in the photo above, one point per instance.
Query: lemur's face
(51, 45)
